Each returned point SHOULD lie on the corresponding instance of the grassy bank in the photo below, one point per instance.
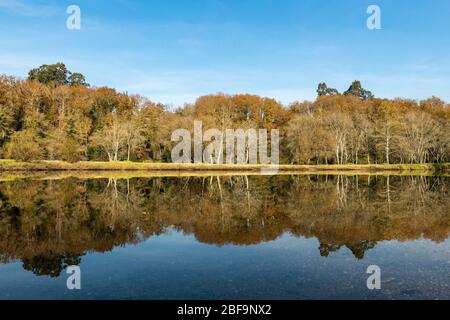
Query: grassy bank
(11, 165)
(130, 174)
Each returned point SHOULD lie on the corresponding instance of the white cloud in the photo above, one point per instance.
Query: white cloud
(177, 87)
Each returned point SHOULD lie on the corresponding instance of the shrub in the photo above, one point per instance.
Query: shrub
(23, 146)
(70, 150)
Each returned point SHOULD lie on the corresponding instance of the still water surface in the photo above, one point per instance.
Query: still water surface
(226, 237)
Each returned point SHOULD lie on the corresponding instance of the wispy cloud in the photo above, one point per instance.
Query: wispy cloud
(177, 87)
(24, 8)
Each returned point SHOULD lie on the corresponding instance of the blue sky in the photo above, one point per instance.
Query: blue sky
(173, 51)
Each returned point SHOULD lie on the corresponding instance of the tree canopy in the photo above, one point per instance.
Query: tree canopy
(323, 90)
(357, 90)
(56, 74)
(55, 115)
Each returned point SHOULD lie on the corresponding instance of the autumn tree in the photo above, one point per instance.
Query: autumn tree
(24, 146)
(110, 137)
(360, 134)
(419, 135)
(308, 139)
(387, 128)
(56, 115)
(157, 124)
(133, 130)
(340, 125)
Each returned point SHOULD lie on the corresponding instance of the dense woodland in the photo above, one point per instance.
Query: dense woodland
(55, 115)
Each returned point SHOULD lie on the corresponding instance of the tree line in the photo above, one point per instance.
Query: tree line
(55, 114)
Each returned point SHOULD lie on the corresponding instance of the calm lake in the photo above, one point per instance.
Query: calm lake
(225, 237)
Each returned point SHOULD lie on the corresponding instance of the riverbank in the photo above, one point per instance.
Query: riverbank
(12, 165)
(149, 174)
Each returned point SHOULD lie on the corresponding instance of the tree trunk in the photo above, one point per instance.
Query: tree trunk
(387, 150)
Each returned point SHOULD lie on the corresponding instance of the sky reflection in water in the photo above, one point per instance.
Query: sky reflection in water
(284, 237)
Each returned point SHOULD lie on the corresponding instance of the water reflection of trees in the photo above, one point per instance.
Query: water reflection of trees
(50, 224)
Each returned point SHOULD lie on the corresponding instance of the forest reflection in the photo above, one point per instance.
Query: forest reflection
(50, 224)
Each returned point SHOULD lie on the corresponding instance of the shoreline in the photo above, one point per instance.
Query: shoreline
(120, 175)
(55, 166)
